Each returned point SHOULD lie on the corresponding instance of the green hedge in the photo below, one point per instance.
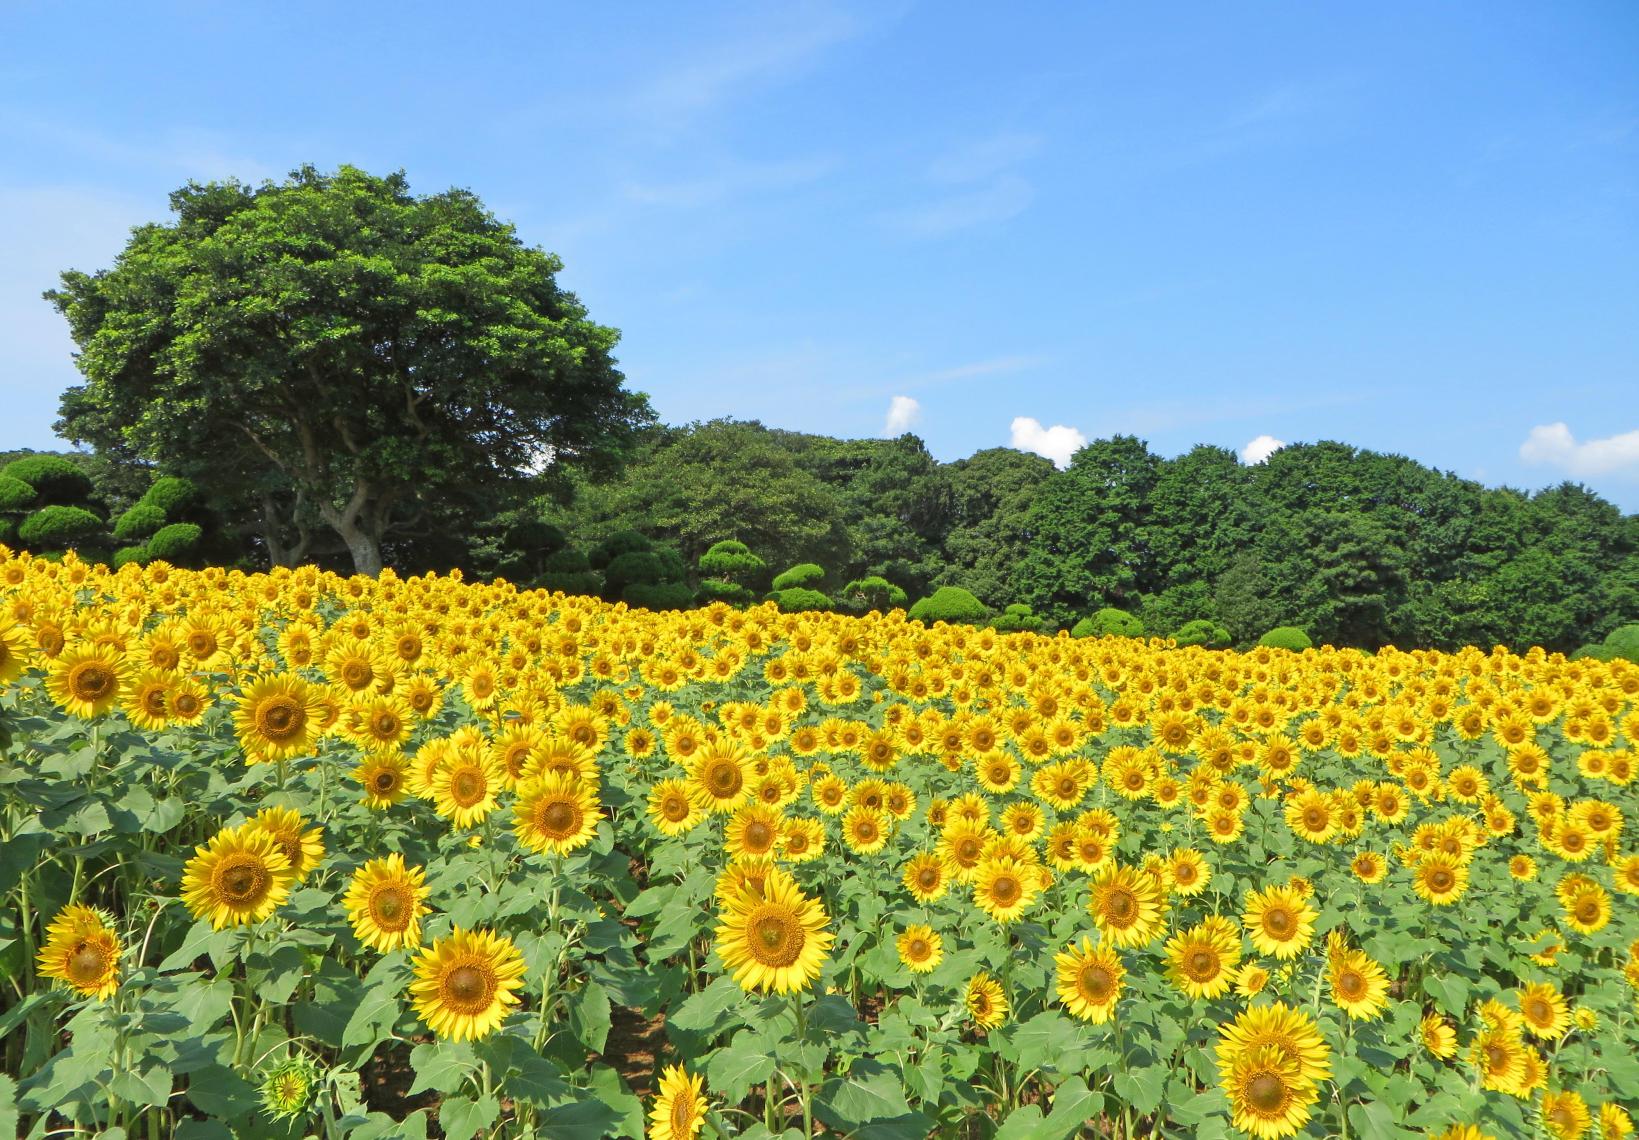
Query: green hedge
(950, 604)
(804, 575)
(58, 527)
(658, 595)
(15, 495)
(1202, 632)
(174, 542)
(1286, 637)
(1108, 622)
(57, 480)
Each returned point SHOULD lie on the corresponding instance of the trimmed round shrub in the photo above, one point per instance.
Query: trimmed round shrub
(1286, 637)
(57, 480)
(125, 554)
(1108, 622)
(1599, 652)
(730, 559)
(139, 522)
(15, 495)
(1623, 641)
(658, 595)
(873, 592)
(1018, 618)
(170, 493)
(1202, 632)
(58, 527)
(671, 564)
(8, 530)
(799, 600)
(717, 590)
(621, 542)
(632, 568)
(804, 575)
(950, 604)
(173, 542)
(582, 582)
(567, 561)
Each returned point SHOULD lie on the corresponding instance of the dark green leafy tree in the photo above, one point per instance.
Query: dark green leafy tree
(341, 355)
(989, 535)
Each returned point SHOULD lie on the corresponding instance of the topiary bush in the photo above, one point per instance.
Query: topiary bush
(1202, 632)
(1108, 622)
(170, 493)
(1286, 637)
(804, 575)
(731, 561)
(15, 495)
(570, 572)
(949, 604)
(635, 567)
(58, 527)
(717, 590)
(1018, 618)
(799, 600)
(140, 521)
(125, 554)
(175, 542)
(1597, 652)
(1623, 641)
(873, 592)
(55, 479)
(621, 542)
(658, 595)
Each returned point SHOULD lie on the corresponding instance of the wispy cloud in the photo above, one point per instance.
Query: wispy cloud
(731, 180)
(1555, 445)
(182, 151)
(978, 183)
(903, 412)
(916, 381)
(1057, 443)
(984, 157)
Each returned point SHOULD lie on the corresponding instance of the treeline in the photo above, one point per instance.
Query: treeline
(1351, 547)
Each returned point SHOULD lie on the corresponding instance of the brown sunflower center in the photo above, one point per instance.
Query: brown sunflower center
(775, 937)
(1121, 907)
(242, 880)
(674, 808)
(1266, 1092)
(1005, 890)
(1351, 984)
(724, 778)
(88, 963)
(469, 988)
(1095, 982)
(91, 681)
(467, 787)
(558, 819)
(1279, 922)
(758, 835)
(1441, 880)
(1201, 964)
(390, 908)
(280, 718)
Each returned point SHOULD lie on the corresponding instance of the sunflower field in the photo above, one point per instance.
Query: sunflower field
(297, 855)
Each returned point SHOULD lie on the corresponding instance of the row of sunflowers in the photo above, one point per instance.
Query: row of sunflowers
(292, 854)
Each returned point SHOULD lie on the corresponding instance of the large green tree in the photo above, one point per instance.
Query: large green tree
(343, 356)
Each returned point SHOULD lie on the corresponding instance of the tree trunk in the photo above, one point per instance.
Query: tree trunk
(366, 552)
(362, 543)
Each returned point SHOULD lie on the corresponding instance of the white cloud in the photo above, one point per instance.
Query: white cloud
(903, 411)
(1260, 449)
(1057, 443)
(1553, 444)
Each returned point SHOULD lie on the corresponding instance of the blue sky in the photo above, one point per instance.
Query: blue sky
(1408, 226)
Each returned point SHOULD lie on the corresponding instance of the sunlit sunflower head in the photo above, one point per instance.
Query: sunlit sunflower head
(1004, 888)
(1439, 878)
(556, 814)
(240, 876)
(1291, 1030)
(382, 778)
(1201, 961)
(1189, 872)
(16, 653)
(926, 876)
(463, 785)
(1089, 980)
(753, 830)
(380, 722)
(1588, 909)
(1250, 980)
(303, 849)
(1565, 1114)
(721, 774)
(385, 902)
(920, 948)
(287, 1088)
(82, 951)
(802, 840)
(1125, 905)
(1498, 1054)
(680, 1106)
(465, 984)
(1543, 1010)
(1614, 1121)
(673, 807)
(985, 1001)
(1280, 921)
(147, 699)
(1438, 1035)
(773, 940)
(188, 700)
(1360, 987)
(277, 718)
(865, 829)
(1269, 1097)
(1369, 866)
(87, 680)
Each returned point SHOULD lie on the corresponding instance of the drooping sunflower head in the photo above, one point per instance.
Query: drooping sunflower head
(465, 984)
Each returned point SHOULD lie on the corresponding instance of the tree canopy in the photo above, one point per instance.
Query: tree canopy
(337, 354)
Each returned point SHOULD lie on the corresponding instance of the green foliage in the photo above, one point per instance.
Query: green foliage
(174, 543)
(872, 592)
(635, 567)
(58, 528)
(800, 600)
(15, 495)
(948, 604)
(332, 352)
(1018, 618)
(170, 493)
(139, 522)
(1202, 632)
(802, 575)
(1109, 622)
(54, 479)
(716, 590)
(126, 554)
(1286, 637)
(657, 595)
(1623, 641)
(621, 542)
(732, 561)
(1598, 652)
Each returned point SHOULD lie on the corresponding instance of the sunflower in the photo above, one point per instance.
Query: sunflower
(753, 830)
(1369, 867)
(1250, 979)
(385, 902)
(239, 876)
(680, 1108)
(1291, 1030)
(720, 774)
(462, 786)
(1269, 1097)
(277, 718)
(1189, 871)
(14, 651)
(1499, 1056)
(920, 948)
(802, 840)
(1440, 878)
(1089, 980)
(465, 984)
(302, 849)
(1438, 1036)
(985, 1001)
(774, 939)
(380, 723)
(1280, 921)
(1543, 1010)
(1588, 909)
(382, 778)
(1565, 1114)
(147, 702)
(926, 877)
(1359, 986)
(1005, 888)
(1126, 906)
(1201, 961)
(187, 701)
(83, 951)
(556, 814)
(287, 1090)
(86, 680)
(672, 808)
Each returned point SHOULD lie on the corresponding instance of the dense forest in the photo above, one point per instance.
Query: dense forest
(1353, 547)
